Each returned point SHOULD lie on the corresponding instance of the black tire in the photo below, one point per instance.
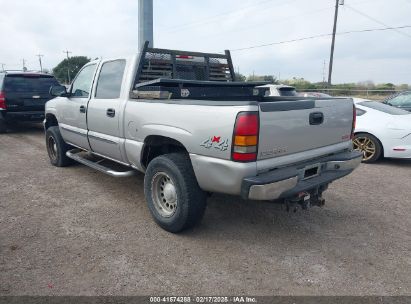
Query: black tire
(190, 200)
(372, 141)
(57, 148)
(3, 126)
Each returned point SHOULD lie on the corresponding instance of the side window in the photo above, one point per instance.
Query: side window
(360, 112)
(110, 79)
(82, 84)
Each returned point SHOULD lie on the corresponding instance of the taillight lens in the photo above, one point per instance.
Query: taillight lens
(354, 121)
(245, 138)
(2, 101)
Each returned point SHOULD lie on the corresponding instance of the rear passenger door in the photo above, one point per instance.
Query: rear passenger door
(104, 110)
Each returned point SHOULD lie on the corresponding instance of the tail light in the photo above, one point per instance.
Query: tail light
(245, 138)
(2, 101)
(354, 121)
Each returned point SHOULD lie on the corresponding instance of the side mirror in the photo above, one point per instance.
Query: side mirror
(58, 91)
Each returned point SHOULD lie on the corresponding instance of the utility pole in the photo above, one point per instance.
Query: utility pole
(337, 4)
(24, 65)
(324, 72)
(145, 22)
(68, 65)
(41, 66)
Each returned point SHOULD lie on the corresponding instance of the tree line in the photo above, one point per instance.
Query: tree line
(68, 69)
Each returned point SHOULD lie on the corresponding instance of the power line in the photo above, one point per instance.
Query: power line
(330, 66)
(211, 18)
(68, 65)
(41, 66)
(277, 20)
(320, 36)
(375, 20)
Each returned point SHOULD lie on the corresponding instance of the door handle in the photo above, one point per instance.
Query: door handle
(111, 112)
(82, 109)
(316, 118)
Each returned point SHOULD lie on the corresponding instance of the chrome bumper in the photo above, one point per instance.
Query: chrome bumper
(283, 183)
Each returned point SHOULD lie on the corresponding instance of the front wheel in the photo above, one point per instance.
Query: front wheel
(369, 146)
(3, 126)
(57, 148)
(173, 195)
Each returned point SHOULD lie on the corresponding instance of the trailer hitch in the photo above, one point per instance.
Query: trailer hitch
(304, 200)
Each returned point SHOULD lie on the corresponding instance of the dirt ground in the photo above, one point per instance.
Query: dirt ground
(74, 231)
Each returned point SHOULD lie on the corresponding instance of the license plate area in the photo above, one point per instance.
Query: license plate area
(311, 171)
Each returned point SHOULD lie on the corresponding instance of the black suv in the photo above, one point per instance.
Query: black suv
(23, 96)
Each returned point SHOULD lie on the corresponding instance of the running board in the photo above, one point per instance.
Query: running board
(75, 154)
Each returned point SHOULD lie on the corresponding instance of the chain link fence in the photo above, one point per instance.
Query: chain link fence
(361, 93)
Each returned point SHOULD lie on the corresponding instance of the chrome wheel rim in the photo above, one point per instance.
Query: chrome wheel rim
(164, 194)
(366, 146)
(52, 147)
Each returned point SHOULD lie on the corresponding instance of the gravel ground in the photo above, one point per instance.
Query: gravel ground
(75, 231)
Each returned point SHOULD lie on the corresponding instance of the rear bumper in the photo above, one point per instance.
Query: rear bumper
(22, 116)
(289, 181)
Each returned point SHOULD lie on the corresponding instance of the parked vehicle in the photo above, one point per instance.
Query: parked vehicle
(402, 101)
(23, 96)
(313, 94)
(279, 90)
(180, 118)
(381, 131)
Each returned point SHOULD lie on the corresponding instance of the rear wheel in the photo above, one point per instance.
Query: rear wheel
(57, 148)
(173, 195)
(369, 146)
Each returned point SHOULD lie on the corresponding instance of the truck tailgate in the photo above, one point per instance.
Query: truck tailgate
(292, 126)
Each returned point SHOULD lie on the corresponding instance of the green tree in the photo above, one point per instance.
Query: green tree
(240, 77)
(403, 87)
(74, 64)
(269, 78)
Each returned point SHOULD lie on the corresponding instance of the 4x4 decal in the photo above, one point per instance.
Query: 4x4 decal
(216, 142)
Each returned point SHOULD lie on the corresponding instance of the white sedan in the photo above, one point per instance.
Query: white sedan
(381, 131)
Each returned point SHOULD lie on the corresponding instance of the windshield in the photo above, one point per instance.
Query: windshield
(383, 108)
(26, 84)
(402, 100)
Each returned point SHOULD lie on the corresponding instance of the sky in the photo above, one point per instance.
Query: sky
(107, 28)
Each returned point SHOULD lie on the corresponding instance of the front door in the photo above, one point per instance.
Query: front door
(104, 111)
(73, 122)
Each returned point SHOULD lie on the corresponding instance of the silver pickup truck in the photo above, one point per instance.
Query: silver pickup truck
(182, 119)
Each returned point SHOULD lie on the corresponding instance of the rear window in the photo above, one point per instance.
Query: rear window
(22, 83)
(110, 79)
(383, 108)
(402, 100)
(288, 92)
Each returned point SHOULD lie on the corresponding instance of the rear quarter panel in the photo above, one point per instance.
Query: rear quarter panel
(388, 129)
(203, 130)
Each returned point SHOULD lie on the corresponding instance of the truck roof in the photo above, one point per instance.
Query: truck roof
(16, 72)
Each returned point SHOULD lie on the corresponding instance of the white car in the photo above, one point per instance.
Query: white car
(381, 131)
(280, 90)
